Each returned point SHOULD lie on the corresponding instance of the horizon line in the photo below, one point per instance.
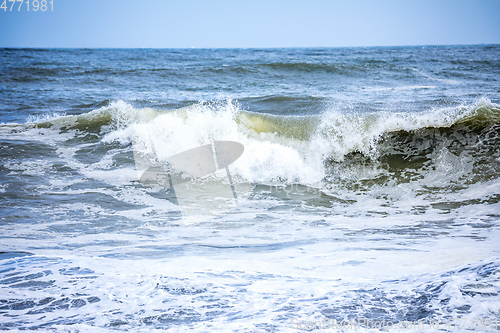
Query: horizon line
(234, 48)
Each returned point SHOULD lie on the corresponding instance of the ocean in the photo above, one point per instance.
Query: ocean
(250, 190)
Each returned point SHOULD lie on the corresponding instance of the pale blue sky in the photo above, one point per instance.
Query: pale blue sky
(255, 23)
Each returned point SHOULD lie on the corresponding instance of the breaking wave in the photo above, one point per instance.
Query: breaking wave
(332, 146)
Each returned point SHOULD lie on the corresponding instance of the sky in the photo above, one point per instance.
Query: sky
(248, 24)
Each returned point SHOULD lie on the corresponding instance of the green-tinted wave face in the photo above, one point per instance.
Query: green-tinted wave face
(451, 157)
(454, 150)
(293, 127)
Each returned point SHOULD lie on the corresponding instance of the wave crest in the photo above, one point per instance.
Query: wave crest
(299, 149)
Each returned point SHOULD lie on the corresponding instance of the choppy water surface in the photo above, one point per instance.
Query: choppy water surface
(368, 190)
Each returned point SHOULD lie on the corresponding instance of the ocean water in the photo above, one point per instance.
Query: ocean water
(366, 196)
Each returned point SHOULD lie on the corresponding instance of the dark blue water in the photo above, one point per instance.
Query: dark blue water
(368, 189)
